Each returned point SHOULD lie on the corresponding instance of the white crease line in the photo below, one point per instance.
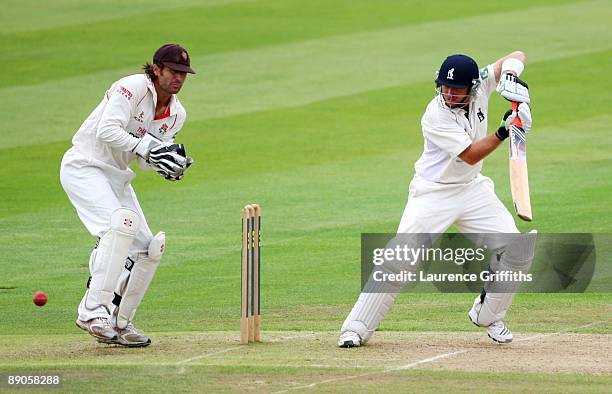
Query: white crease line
(187, 361)
(556, 333)
(294, 337)
(393, 369)
(182, 363)
(424, 361)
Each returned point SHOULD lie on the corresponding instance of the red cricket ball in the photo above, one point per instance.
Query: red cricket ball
(40, 298)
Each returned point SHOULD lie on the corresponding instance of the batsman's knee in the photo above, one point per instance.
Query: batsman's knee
(520, 253)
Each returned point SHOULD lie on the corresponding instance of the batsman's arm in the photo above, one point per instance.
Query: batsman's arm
(480, 149)
(501, 66)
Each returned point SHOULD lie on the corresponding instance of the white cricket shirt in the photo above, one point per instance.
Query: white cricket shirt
(448, 132)
(124, 115)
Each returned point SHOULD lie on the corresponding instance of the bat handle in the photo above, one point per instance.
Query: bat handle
(517, 120)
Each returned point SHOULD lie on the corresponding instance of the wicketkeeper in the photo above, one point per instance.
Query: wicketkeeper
(137, 119)
(448, 188)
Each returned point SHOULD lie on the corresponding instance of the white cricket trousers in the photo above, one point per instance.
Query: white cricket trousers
(432, 208)
(96, 190)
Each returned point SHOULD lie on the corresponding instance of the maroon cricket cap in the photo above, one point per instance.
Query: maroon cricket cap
(173, 56)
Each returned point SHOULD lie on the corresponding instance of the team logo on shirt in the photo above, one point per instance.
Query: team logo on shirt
(484, 73)
(163, 129)
(480, 115)
(129, 264)
(449, 75)
(139, 118)
(124, 92)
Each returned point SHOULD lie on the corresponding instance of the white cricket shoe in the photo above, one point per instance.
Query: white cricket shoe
(349, 339)
(128, 336)
(99, 328)
(131, 337)
(499, 332)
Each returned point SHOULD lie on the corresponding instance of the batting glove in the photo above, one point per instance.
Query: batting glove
(513, 88)
(524, 114)
(504, 127)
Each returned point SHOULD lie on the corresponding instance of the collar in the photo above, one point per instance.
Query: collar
(151, 89)
(173, 99)
(173, 104)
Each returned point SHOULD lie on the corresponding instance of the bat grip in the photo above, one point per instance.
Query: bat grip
(517, 120)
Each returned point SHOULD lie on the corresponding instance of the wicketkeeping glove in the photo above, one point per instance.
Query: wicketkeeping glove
(170, 161)
(169, 176)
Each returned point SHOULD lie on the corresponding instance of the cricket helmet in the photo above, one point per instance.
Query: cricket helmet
(458, 71)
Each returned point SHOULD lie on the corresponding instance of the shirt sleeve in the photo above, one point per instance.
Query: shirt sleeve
(449, 137)
(487, 79)
(117, 113)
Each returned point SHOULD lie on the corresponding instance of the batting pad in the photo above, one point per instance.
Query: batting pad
(110, 256)
(140, 278)
(516, 257)
(377, 297)
(369, 310)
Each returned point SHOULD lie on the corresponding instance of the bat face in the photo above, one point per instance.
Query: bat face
(519, 181)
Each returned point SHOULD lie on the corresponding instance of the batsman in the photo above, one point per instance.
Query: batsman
(137, 120)
(448, 187)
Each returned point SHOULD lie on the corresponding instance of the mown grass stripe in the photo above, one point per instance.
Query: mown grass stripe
(306, 72)
(121, 42)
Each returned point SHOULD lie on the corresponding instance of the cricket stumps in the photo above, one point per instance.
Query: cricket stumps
(251, 269)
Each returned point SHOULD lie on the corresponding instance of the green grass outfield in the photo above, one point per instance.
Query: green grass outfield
(312, 109)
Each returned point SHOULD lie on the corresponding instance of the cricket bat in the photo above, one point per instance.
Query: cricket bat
(519, 181)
